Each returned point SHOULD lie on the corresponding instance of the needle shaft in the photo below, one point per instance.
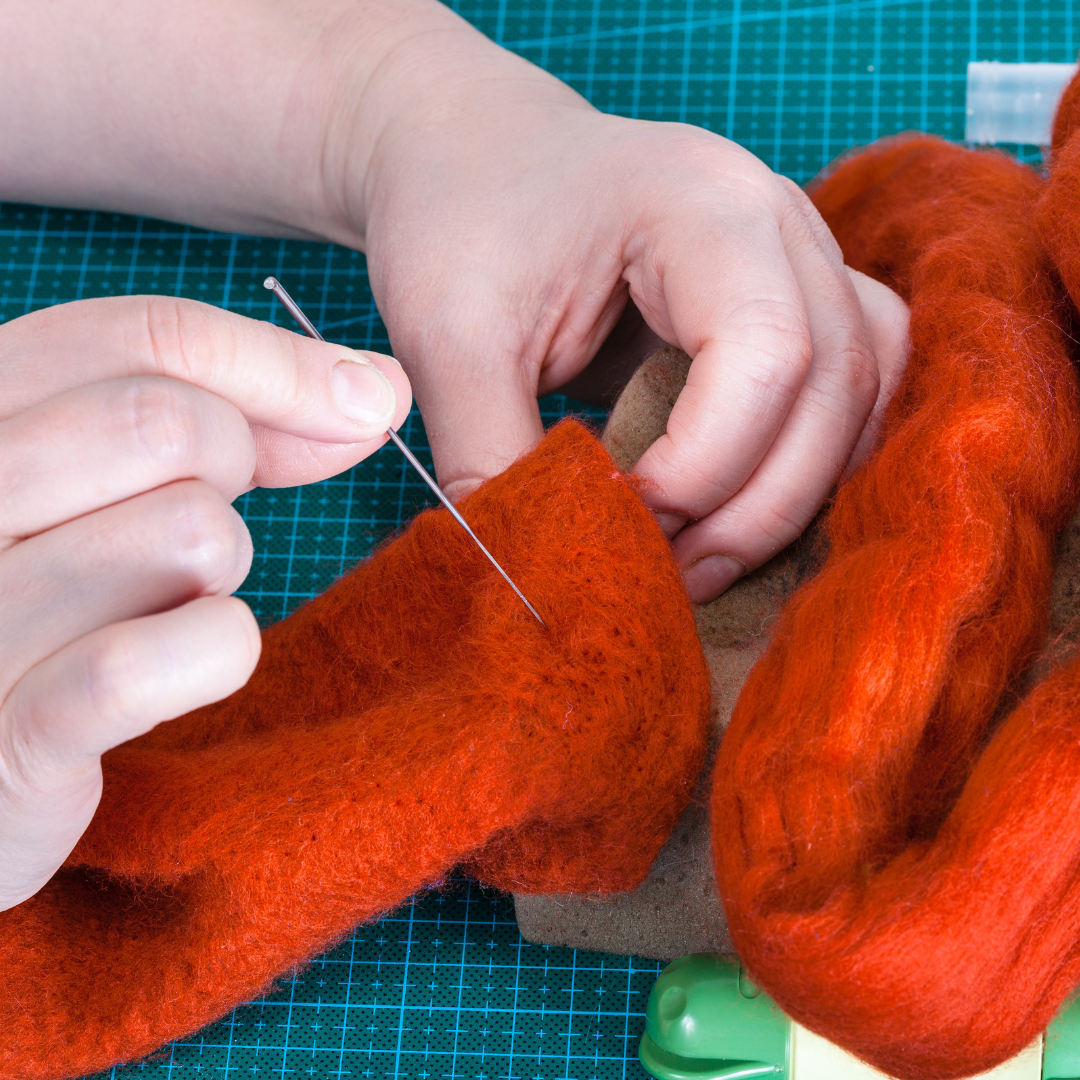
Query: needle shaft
(308, 327)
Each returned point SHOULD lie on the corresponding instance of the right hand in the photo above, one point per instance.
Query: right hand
(127, 426)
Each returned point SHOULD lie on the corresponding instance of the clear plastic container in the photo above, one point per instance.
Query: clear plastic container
(1013, 103)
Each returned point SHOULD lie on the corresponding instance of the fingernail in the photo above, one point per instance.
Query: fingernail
(709, 577)
(669, 522)
(363, 393)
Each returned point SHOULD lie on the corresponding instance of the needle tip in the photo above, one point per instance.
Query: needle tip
(521, 596)
(293, 308)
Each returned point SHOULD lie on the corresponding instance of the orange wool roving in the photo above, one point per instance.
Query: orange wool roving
(898, 853)
(413, 718)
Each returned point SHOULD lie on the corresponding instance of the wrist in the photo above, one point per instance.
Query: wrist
(441, 95)
(240, 116)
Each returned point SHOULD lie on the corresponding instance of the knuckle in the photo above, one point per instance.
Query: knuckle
(691, 484)
(112, 680)
(862, 380)
(163, 422)
(708, 162)
(203, 532)
(183, 336)
(849, 366)
(779, 526)
(769, 528)
(772, 317)
(163, 320)
(799, 208)
(777, 332)
(804, 227)
(845, 363)
(754, 528)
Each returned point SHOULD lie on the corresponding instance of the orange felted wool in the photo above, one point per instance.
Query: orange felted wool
(413, 718)
(898, 853)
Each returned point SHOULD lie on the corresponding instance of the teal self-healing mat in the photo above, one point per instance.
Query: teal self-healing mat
(446, 988)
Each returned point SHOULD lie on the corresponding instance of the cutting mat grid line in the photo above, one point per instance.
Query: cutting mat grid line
(446, 988)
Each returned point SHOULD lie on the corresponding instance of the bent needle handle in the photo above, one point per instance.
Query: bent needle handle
(308, 327)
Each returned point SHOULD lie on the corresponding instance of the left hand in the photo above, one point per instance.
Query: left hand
(507, 223)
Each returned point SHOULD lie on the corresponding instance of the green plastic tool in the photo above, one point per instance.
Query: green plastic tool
(706, 1020)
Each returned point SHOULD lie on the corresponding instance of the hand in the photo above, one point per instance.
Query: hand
(506, 223)
(126, 428)
(506, 220)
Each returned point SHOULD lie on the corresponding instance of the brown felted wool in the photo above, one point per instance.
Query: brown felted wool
(677, 909)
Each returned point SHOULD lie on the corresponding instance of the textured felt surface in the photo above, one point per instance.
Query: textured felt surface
(677, 909)
(413, 719)
(795, 82)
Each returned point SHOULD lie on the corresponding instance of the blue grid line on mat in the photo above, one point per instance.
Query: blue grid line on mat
(415, 995)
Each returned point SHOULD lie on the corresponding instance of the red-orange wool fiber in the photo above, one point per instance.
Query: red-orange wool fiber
(900, 862)
(413, 718)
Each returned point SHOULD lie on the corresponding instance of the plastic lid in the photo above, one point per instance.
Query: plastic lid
(705, 1020)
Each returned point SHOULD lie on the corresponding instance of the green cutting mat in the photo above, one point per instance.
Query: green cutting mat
(446, 988)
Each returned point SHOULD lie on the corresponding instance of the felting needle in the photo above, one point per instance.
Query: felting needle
(293, 308)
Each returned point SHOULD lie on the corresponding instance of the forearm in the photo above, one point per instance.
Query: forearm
(249, 115)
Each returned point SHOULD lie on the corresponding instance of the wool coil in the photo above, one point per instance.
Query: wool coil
(897, 840)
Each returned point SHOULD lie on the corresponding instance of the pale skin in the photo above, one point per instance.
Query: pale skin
(506, 224)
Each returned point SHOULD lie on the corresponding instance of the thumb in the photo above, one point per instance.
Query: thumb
(479, 418)
(317, 407)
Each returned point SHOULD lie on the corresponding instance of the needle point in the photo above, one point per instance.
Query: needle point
(293, 308)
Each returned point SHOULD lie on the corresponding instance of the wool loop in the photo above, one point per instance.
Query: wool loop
(898, 861)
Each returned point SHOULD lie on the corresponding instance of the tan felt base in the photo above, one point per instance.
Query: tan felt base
(676, 911)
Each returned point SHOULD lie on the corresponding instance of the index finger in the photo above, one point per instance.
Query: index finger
(732, 303)
(280, 380)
